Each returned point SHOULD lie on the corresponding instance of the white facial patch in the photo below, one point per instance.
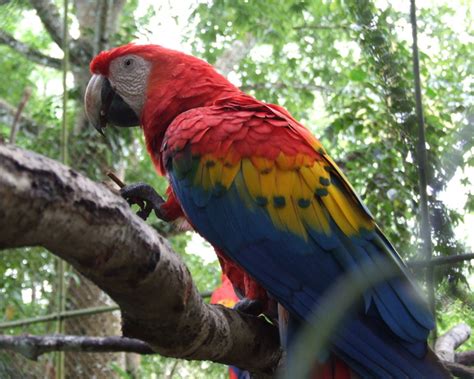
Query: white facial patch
(128, 76)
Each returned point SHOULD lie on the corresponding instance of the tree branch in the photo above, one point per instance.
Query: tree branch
(43, 203)
(29, 52)
(80, 50)
(51, 19)
(281, 85)
(32, 347)
(15, 124)
(438, 261)
(323, 27)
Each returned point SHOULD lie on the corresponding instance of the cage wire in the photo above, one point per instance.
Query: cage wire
(81, 294)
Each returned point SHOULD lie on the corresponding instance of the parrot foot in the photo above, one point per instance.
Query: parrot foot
(249, 306)
(145, 197)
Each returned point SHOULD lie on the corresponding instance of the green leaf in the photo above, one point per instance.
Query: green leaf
(357, 75)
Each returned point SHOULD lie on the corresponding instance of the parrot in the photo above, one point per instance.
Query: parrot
(262, 190)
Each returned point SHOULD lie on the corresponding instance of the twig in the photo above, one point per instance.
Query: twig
(323, 27)
(115, 179)
(32, 347)
(281, 85)
(19, 111)
(7, 115)
(173, 369)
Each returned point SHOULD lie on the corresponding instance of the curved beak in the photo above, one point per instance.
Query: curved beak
(104, 106)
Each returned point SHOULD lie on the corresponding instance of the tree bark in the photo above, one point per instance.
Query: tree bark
(43, 203)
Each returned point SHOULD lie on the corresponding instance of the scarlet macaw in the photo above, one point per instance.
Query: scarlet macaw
(261, 189)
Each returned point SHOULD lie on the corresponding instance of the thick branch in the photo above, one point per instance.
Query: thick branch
(29, 52)
(32, 347)
(43, 203)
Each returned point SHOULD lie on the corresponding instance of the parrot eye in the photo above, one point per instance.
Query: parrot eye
(128, 62)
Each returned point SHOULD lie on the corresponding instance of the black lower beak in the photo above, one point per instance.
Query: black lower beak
(114, 109)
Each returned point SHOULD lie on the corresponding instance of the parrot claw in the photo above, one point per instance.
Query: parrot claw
(249, 306)
(145, 197)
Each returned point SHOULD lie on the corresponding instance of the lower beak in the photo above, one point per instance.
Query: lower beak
(104, 106)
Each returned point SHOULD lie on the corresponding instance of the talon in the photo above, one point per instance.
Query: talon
(145, 197)
(145, 211)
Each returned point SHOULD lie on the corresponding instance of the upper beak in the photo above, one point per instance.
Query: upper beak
(93, 103)
(103, 105)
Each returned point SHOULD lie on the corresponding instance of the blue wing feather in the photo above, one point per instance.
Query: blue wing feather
(272, 257)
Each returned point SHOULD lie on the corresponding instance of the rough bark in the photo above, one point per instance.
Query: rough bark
(43, 203)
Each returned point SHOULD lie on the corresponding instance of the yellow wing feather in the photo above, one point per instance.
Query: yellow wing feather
(296, 192)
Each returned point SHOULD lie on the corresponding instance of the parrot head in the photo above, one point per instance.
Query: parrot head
(148, 85)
